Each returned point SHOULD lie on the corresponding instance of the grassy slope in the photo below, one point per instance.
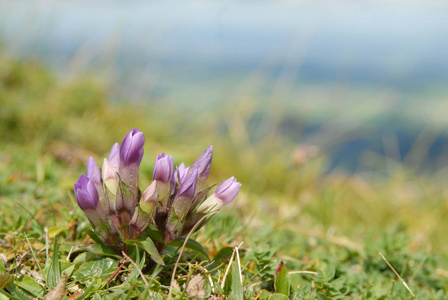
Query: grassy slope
(331, 225)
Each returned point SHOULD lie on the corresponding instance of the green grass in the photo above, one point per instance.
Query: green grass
(327, 229)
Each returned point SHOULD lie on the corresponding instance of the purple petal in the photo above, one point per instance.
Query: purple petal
(131, 149)
(228, 190)
(86, 193)
(93, 172)
(114, 156)
(181, 172)
(188, 187)
(204, 163)
(163, 168)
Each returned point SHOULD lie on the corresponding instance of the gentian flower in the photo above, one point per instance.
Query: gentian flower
(88, 200)
(114, 156)
(86, 193)
(93, 172)
(127, 198)
(180, 206)
(223, 195)
(203, 165)
(131, 149)
(163, 174)
(172, 204)
(180, 173)
(131, 154)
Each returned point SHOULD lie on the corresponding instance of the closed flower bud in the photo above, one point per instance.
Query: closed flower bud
(86, 193)
(188, 186)
(180, 173)
(203, 165)
(109, 174)
(114, 156)
(180, 207)
(223, 195)
(110, 182)
(228, 190)
(149, 198)
(163, 168)
(131, 149)
(131, 154)
(88, 200)
(93, 172)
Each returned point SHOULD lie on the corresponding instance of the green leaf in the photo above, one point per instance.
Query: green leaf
(54, 271)
(278, 297)
(148, 246)
(15, 294)
(29, 285)
(54, 231)
(237, 289)
(223, 254)
(155, 235)
(102, 250)
(2, 267)
(3, 295)
(330, 271)
(191, 244)
(102, 267)
(140, 262)
(282, 280)
(96, 297)
(95, 237)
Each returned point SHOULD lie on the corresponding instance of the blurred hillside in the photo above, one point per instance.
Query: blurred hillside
(363, 83)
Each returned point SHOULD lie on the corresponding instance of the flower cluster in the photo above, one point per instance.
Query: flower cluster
(173, 204)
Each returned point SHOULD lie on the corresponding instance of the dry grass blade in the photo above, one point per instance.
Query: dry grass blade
(229, 265)
(182, 250)
(136, 266)
(227, 270)
(398, 275)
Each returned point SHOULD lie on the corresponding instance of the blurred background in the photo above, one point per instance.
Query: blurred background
(338, 108)
(365, 84)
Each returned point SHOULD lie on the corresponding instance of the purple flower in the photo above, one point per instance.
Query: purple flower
(114, 156)
(131, 149)
(93, 172)
(223, 195)
(203, 164)
(86, 193)
(163, 168)
(180, 172)
(228, 190)
(188, 186)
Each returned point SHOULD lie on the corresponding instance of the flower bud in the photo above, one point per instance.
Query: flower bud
(223, 195)
(228, 190)
(149, 198)
(131, 149)
(203, 165)
(180, 207)
(93, 172)
(110, 182)
(188, 186)
(88, 200)
(163, 173)
(131, 153)
(179, 174)
(114, 156)
(86, 193)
